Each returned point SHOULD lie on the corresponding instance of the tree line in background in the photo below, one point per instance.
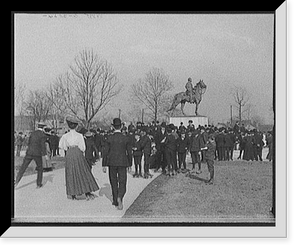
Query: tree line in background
(90, 84)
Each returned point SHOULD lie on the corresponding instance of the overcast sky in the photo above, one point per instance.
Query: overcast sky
(222, 49)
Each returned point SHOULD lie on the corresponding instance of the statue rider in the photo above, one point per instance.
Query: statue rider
(189, 89)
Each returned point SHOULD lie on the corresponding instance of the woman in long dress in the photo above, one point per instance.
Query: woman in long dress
(79, 178)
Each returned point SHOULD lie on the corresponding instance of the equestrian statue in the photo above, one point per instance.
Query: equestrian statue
(192, 95)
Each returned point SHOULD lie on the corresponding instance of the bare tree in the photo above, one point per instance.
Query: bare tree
(241, 98)
(19, 105)
(37, 106)
(152, 92)
(86, 88)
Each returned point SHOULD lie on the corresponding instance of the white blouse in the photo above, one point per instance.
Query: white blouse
(72, 138)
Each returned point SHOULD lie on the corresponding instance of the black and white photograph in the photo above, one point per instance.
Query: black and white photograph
(147, 119)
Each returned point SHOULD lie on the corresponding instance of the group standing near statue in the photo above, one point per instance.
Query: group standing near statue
(158, 146)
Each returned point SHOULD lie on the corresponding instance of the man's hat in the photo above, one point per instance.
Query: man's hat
(41, 125)
(169, 129)
(163, 124)
(88, 134)
(116, 122)
(190, 121)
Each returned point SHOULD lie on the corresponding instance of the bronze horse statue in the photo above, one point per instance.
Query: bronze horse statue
(182, 97)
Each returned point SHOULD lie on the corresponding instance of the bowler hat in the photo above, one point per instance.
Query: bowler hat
(117, 122)
(163, 124)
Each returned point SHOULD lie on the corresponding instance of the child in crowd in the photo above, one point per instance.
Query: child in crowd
(182, 148)
(209, 157)
(137, 155)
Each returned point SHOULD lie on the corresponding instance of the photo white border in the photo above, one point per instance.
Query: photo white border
(280, 229)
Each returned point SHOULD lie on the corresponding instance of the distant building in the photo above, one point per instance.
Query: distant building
(25, 123)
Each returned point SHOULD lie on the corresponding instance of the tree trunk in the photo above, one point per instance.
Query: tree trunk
(240, 113)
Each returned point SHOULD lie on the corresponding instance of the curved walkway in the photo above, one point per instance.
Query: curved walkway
(50, 203)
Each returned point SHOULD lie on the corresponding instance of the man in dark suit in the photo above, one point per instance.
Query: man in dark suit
(170, 151)
(91, 151)
(160, 145)
(220, 142)
(36, 149)
(119, 157)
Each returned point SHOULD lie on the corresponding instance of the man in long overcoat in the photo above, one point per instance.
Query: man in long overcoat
(119, 157)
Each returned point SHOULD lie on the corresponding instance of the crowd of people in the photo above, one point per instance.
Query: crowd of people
(154, 141)
(149, 141)
(161, 146)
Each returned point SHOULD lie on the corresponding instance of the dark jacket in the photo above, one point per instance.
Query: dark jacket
(146, 144)
(91, 150)
(228, 140)
(138, 146)
(37, 144)
(158, 138)
(195, 142)
(170, 143)
(182, 144)
(203, 139)
(210, 152)
(119, 152)
(220, 140)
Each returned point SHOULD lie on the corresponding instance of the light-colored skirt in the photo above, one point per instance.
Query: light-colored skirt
(79, 177)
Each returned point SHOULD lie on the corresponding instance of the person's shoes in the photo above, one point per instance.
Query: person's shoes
(210, 182)
(73, 197)
(90, 196)
(135, 175)
(39, 186)
(114, 203)
(120, 204)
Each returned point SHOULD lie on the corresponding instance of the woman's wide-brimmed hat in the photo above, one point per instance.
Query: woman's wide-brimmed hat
(72, 120)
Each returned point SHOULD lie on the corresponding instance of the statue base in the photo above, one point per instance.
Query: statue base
(197, 120)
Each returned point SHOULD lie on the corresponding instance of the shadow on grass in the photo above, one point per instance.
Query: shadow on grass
(192, 176)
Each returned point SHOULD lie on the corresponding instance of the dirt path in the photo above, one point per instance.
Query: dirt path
(242, 192)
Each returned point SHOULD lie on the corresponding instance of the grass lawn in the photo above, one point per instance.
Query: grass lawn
(242, 192)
